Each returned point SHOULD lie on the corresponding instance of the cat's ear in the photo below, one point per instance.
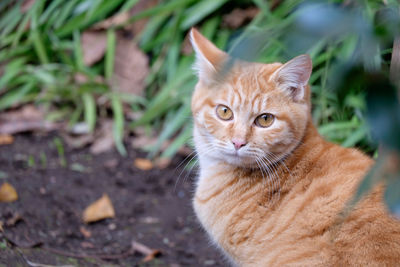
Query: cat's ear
(293, 76)
(208, 57)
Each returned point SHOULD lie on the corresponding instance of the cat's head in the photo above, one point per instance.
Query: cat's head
(253, 114)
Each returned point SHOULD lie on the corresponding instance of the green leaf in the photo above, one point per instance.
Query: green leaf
(337, 126)
(4, 4)
(110, 54)
(392, 195)
(170, 127)
(151, 29)
(80, 21)
(74, 117)
(355, 136)
(11, 23)
(128, 5)
(44, 17)
(38, 44)
(210, 27)
(10, 16)
(118, 127)
(166, 98)
(78, 51)
(12, 69)
(199, 11)
(66, 11)
(60, 151)
(162, 9)
(178, 142)
(21, 28)
(373, 177)
(15, 95)
(89, 110)
(172, 58)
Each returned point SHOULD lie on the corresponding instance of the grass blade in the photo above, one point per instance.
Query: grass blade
(78, 51)
(178, 142)
(12, 70)
(38, 44)
(15, 96)
(110, 54)
(200, 11)
(171, 127)
(163, 9)
(118, 127)
(89, 110)
(80, 21)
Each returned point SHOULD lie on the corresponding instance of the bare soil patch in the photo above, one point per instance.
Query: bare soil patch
(45, 224)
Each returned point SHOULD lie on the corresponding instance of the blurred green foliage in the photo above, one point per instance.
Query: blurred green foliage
(41, 55)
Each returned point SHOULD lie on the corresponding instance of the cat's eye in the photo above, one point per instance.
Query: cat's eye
(264, 120)
(224, 113)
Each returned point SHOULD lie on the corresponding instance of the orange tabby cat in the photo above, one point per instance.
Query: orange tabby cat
(270, 187)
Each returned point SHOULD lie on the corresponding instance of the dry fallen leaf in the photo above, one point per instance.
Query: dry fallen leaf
(26, 5)
(149, 253)
(121, 18)
(104, 140)
(8, 193)
(1, 226)
(6, 139)
(186, 47)
(141, 141)
(77, 141)
(113, 21)
(94, 45)
(163, 163)
(139, 25)
(131, 67)
(238, 17)
(27, 118)
(99, 210)
(143, 164)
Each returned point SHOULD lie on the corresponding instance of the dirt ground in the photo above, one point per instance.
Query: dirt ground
(44, 226)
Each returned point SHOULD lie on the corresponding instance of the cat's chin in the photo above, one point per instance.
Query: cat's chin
(240, 161)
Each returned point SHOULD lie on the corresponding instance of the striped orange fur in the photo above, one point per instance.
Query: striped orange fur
(271, 196)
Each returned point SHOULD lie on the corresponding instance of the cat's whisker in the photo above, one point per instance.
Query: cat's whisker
(258, 156)
(278, 181)
(282, 163)
(196, 154)
(260, 166)
(270, 178)
(205, 153)
(184, 160)
(274, 178)
(190, 170)
(183, 169)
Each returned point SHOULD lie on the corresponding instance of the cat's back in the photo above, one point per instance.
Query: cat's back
(369, 236)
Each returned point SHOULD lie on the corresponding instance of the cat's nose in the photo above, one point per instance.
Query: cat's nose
(238, 143)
